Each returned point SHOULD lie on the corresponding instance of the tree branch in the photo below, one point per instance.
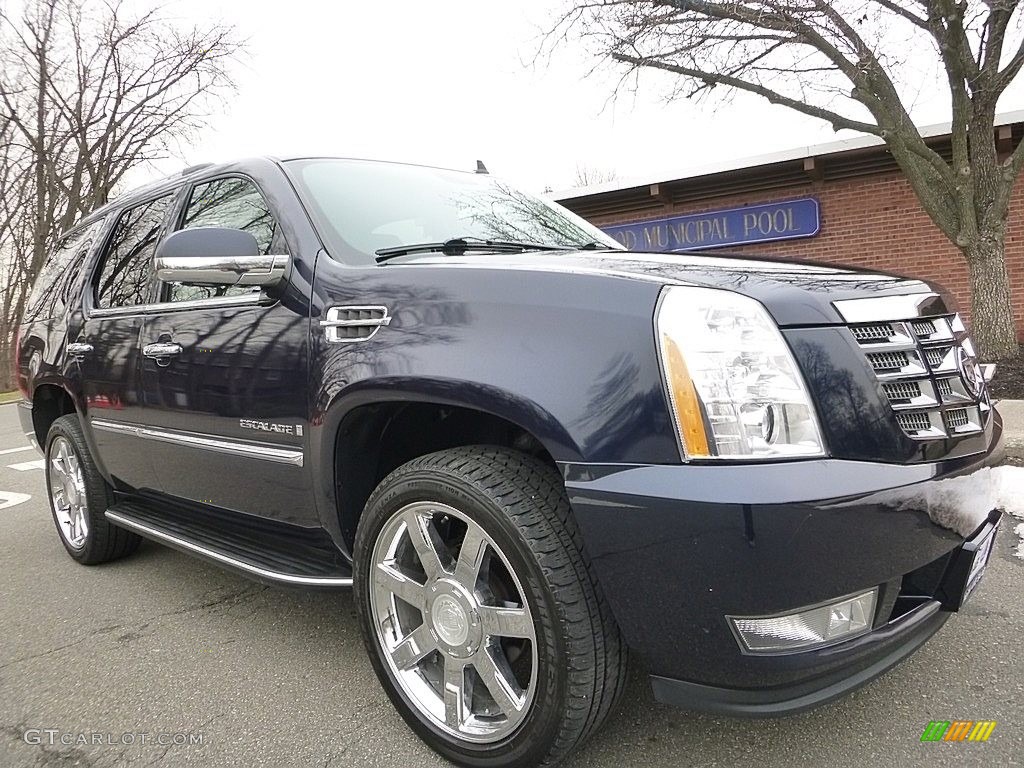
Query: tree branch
(837, 120)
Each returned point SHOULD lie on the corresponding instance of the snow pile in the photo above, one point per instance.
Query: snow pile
(1012, 500)
(963, 503)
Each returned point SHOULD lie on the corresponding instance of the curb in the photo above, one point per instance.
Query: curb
(1012, 412)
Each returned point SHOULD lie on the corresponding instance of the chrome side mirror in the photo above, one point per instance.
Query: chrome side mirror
(217, 256)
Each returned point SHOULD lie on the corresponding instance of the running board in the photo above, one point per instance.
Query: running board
(219, 547)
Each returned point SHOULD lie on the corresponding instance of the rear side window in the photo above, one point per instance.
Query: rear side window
(235, 203)
(128, 261)
(58, 278)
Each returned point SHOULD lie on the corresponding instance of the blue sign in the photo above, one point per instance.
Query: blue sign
(731, 226)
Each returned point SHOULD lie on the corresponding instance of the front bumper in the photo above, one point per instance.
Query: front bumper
(679, 548)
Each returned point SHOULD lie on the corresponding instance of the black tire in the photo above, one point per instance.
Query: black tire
(521, 504)
(103, 541)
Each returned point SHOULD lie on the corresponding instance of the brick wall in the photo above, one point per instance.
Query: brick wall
(873, 221)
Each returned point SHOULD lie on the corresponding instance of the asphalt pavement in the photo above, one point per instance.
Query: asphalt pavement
(161, 659)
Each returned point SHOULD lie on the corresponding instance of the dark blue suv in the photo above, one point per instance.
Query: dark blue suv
(527, 450)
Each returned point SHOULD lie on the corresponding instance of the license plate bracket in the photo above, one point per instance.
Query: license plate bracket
(968, 565)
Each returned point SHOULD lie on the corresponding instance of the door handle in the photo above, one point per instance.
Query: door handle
(77, 348)
(162, 351)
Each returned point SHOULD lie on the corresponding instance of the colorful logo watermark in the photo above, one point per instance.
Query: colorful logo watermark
(958, 730)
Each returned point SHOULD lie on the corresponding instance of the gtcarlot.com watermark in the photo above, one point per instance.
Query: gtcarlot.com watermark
(55, 737)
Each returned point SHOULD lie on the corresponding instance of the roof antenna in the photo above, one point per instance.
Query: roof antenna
(480, 167)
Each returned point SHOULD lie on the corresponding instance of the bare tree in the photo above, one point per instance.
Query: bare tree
(587, 176)
(851, 63)
(88, 91)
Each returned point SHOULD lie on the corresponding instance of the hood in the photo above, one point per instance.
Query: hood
(795, 293)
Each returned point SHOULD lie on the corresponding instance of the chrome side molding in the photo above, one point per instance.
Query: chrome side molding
(216, 302)
(190, 546)
(291, 456)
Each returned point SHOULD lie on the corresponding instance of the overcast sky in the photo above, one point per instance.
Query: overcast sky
(448, 82)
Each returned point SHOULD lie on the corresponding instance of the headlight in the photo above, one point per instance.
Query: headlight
(734, 388)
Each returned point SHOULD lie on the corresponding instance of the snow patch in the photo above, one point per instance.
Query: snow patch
(1012, 500)
(962, 503)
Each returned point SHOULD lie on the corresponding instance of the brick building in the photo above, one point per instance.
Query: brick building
(844, 202)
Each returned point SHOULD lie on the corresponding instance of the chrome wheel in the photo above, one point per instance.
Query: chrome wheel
(453, 622)
(67, 492)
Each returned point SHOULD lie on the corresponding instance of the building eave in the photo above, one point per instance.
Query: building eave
(839, 147)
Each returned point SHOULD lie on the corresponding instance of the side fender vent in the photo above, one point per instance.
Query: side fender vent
(348, 324)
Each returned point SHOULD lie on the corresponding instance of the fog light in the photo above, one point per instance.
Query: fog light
(807, 629)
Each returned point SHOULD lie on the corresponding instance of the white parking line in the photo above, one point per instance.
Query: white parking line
(27, 465)
(11, 499)
(15, 450)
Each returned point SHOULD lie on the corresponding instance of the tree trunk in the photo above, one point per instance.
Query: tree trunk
(7, 381)
(992, 324)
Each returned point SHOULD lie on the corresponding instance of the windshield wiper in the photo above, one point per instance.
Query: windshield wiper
(459, 245)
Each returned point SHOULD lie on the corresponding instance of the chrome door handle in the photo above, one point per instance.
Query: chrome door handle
(162, 351)
(77, 348)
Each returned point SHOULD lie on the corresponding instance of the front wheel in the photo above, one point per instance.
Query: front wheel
(479, 610)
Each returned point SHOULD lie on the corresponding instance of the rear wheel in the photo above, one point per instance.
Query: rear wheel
(79, 496)
(481, 615)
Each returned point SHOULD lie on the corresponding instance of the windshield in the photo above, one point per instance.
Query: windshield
(362, 206)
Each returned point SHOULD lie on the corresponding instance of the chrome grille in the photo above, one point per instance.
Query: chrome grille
(957, 418)
(902, 390)
(936, 356)
(923, 328)
(915, 421)
(869, 333)
(920, 363)
(889, 361)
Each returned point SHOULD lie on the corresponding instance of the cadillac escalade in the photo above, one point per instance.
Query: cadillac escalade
(529, 452)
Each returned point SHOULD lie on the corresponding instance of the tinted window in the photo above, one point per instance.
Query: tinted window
(59, 275)
(233, 203)
(236, 204)
(368, 206)
(128, 262)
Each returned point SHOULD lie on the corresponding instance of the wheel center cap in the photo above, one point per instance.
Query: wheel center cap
(70, 491)
(450, 620)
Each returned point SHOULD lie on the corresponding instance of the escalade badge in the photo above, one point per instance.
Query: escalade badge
(269, 426)
(970, 372)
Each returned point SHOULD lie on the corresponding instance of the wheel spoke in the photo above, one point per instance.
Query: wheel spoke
(392, 580)
(458, 693)
(82, 520)
(73, 466)
(413, 648)
(506, 622)
(426, 543)
(65, 458)
(498, 678)
(471, 556)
